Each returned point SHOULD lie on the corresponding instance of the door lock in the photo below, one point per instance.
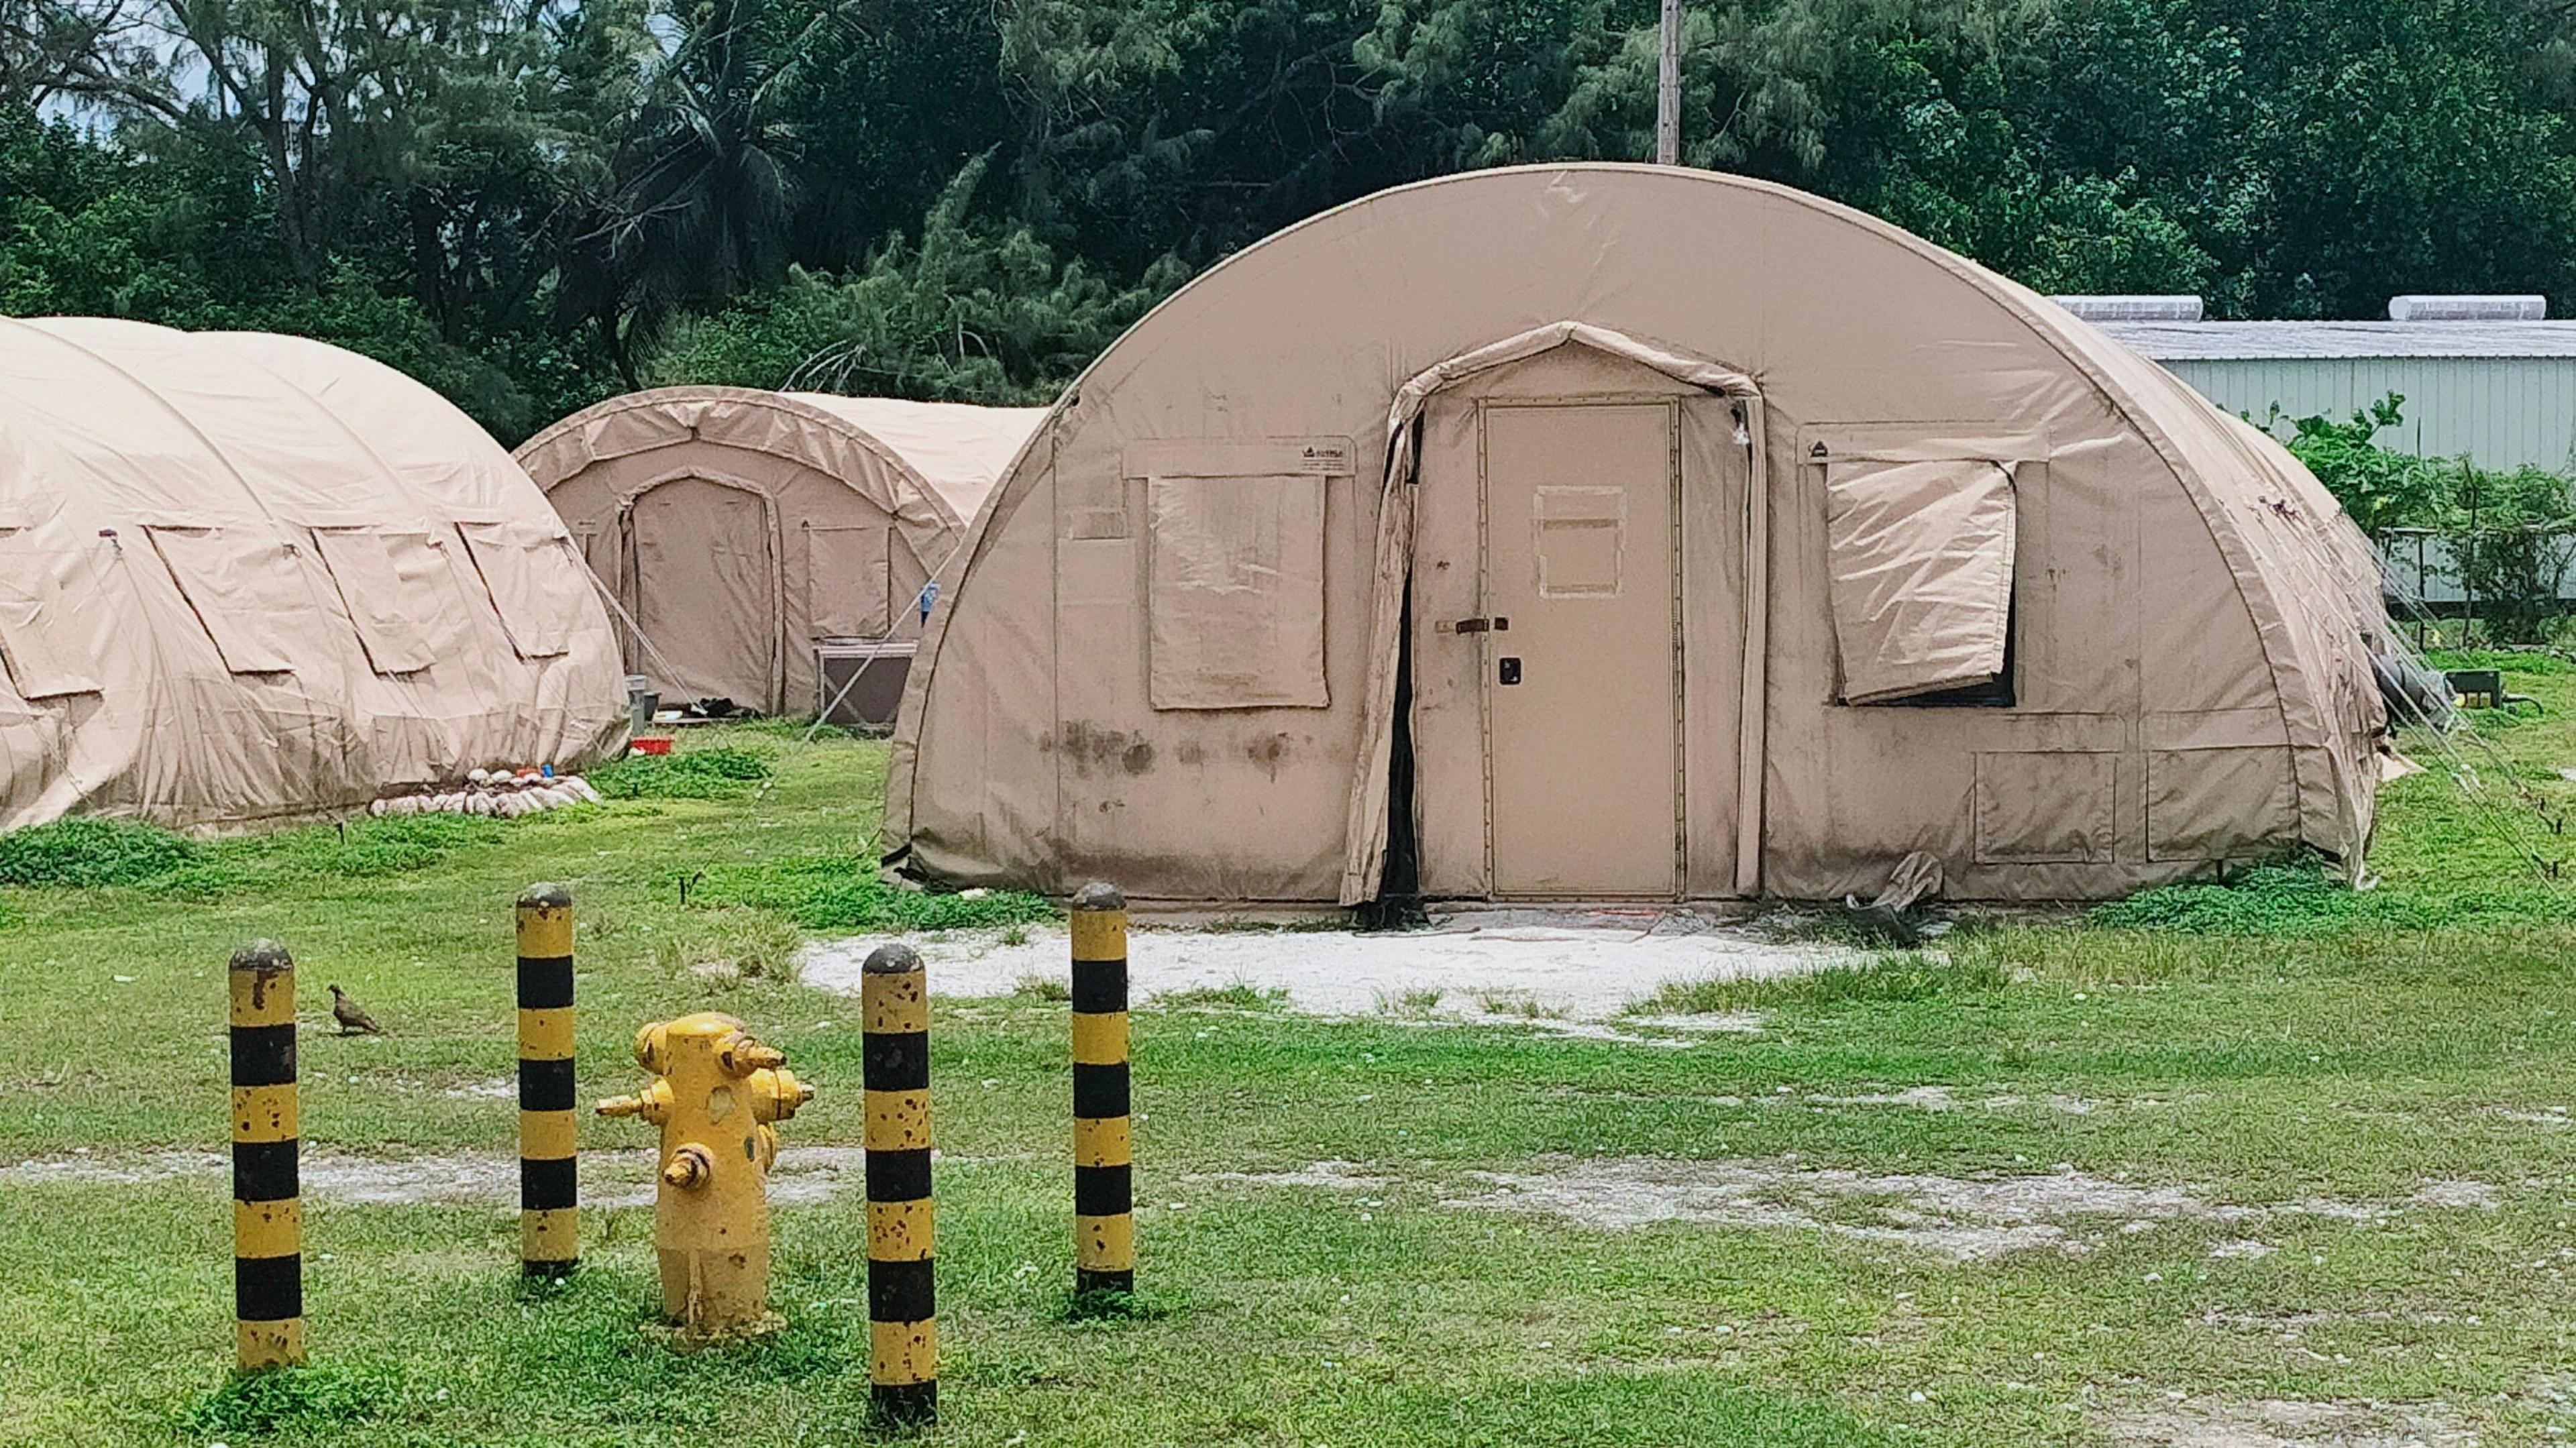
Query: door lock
(1511, 671)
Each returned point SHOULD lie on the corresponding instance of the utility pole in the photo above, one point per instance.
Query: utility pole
(1668, 90)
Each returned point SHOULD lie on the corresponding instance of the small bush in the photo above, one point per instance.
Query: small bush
(1042, 987)
(2287, 899)
(1418, 1000)
(2512, 661)
(91, 852)
(843, 895)
(1517, 1003)
(853, 905)
(718, 771)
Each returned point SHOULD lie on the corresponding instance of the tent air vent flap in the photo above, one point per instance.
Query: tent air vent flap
(1920, 572)
(38, 660)
(239, 584)
(534, 585)
(387, 579)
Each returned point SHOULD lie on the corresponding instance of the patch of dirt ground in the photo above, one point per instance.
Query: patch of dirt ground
(1963, 1219)
(1565, 971)
(2286, 1423)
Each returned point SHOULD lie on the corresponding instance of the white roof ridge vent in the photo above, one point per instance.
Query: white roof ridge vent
(2468, 308)
(2133, 308)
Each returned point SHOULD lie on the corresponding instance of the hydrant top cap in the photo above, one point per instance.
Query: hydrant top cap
(704, 1023)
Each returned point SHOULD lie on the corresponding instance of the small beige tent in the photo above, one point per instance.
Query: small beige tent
(1613, 532)
(745, 529)
(248, 578)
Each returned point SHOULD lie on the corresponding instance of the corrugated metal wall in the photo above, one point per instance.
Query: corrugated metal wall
(2501, 411)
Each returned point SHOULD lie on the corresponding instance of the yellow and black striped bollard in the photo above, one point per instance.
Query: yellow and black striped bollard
(1104, 1191)
(903, 1322)
(549, 1188)
(268, 1216)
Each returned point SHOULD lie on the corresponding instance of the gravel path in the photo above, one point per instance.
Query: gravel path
(1575, 966)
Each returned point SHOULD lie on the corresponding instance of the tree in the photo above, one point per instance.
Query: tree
(970, 314)
(701, 185)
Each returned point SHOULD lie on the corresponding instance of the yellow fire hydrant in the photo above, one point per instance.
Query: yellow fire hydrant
(715, 1094)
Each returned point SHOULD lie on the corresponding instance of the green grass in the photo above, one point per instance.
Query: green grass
(843, 892)
(1889, 977)
(2485, 836)
(113, 853)
(1241, 995)
(710, 771)
(2266, 1044)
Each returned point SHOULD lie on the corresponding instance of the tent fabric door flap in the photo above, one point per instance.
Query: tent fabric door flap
(706, 588)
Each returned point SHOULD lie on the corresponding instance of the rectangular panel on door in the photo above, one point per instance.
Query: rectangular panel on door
(1581, 680)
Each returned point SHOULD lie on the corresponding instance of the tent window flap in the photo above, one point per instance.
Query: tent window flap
(32, 624)
(240, 585)
(846, 582)
(386, 580)
(1237, 592)
(1920, 569)
(534, 583)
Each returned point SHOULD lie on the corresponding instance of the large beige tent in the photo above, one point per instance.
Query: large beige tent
(1624, 532)
(246, 578)
(743, 528)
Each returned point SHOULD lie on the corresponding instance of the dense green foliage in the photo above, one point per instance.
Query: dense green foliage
(90, 852)
(2509, 535)
(534, 204)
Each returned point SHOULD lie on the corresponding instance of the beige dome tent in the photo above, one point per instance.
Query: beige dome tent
(1613, 531)
(744, 529)
(247, 578)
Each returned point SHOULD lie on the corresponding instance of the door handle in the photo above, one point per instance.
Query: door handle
(1481, 625)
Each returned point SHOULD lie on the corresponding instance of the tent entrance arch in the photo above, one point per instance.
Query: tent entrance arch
(1577, 522)
(706, 582)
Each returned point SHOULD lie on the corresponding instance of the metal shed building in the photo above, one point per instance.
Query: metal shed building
(2502, 392)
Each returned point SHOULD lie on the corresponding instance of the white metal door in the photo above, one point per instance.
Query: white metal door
(1582, 661)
